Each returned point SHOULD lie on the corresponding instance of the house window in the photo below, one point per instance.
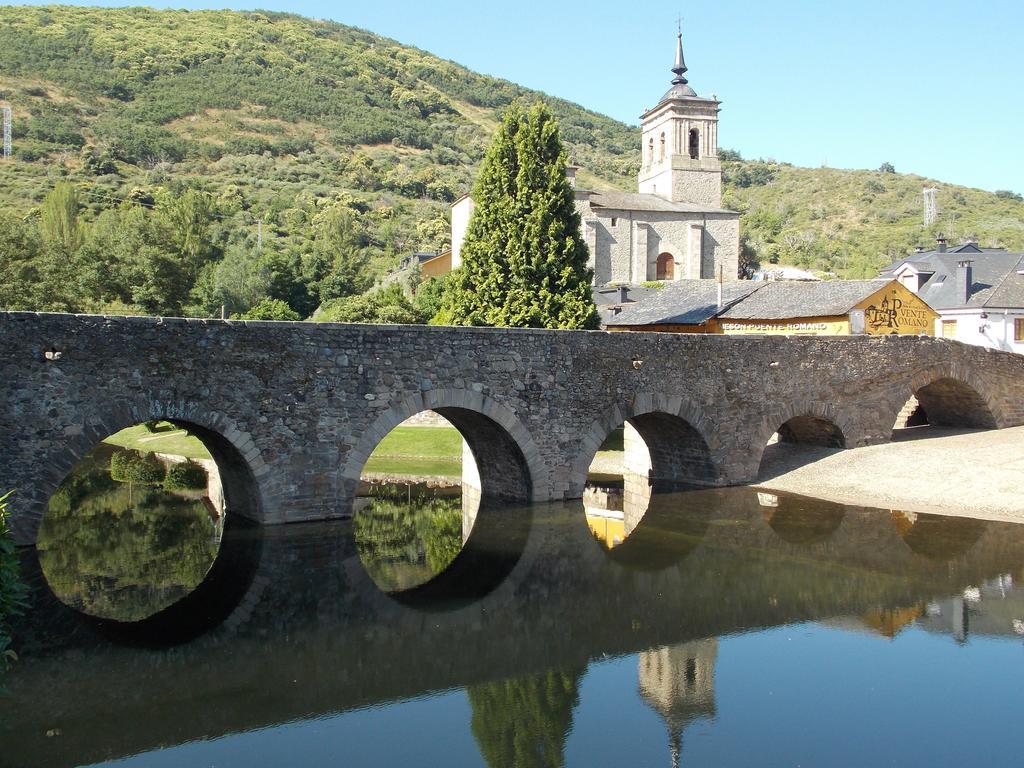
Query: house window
(614, 221)
(666, 267)
(949, 329)
(694, 143)
(1018, 329)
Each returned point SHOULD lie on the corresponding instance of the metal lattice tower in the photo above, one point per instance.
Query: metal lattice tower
(931, 206)
(7, 131)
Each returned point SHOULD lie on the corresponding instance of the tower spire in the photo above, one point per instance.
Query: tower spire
(679, 68)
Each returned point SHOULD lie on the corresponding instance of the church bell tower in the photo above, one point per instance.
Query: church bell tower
(680, 144)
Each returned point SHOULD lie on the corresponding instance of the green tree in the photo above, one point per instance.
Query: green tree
(524, 722)
(20, 268)
(339, 257)
(188, 218)
(58, 221)
(749, 263)
(429, 295)
(524, 262)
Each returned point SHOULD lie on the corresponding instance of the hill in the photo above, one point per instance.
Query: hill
(221, 157)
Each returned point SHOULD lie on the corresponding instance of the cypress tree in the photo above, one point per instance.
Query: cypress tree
(524, 262)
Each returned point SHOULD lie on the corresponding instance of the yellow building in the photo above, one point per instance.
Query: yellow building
(441, 264)
(826, 308)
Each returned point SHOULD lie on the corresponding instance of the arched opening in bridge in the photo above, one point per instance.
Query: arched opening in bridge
(425, 503)
(797, 441)
(944, 403)
(649, 455)
(136, 526)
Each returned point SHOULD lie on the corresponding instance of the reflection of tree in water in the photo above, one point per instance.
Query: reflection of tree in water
(802, 520)
(122, 552)
(404, 543)
(937, 537)
(524, 722)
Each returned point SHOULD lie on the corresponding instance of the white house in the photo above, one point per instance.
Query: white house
(978, 292)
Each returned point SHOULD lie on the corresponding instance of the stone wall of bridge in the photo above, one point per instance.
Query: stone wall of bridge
(291, 411)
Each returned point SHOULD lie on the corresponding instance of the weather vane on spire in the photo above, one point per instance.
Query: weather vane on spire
(680, 64)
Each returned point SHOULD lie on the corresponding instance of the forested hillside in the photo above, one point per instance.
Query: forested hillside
(174, 162)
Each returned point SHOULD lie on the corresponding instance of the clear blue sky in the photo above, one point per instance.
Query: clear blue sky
(933, 87)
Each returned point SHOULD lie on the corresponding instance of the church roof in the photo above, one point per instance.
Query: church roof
(636, 201)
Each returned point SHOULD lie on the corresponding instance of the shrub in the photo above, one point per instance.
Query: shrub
(386, 305)
(136, 467)
(187, 476)
(269, 309)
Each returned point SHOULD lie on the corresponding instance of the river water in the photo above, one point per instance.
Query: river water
(710, 628)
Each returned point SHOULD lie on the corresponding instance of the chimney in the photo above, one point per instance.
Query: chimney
(919, 249)
(623, 293)
(941, 240)
(570, 174)
(964, 280)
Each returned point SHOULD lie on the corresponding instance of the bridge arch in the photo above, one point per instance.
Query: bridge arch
(675, 431)
(508, 459)
(808, 423)
(238, 459)
(951, 398)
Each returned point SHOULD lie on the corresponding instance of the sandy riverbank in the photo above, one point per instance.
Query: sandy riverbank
(926, 469)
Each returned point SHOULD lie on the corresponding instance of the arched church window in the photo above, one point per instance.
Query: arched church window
(650, 152)
(662, 151)
(694, 143)
(666, 267)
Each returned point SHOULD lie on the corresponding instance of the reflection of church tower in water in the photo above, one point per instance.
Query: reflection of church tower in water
(678, 682)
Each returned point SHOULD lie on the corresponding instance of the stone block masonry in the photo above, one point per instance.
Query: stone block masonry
(291, 411)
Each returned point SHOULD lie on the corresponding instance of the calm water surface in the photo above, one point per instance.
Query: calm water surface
(709, 628)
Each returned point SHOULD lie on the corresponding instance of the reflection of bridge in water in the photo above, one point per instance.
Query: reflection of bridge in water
(298, 630)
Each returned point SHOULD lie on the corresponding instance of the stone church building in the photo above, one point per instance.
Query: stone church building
(673, 227)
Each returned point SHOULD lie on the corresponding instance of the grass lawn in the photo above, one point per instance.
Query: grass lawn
(167, 439)
(418, 451)
(424, 451)
(421, 442)
(418, 467)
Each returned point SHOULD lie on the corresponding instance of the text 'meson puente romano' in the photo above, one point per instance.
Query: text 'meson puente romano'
(673, 227)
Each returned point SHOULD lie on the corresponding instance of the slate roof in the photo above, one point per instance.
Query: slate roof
(610, 295)
(684, 302)
(782, 300)
(634, 201)
(995, 282)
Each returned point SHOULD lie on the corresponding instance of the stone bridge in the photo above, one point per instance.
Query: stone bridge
(291, 411)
